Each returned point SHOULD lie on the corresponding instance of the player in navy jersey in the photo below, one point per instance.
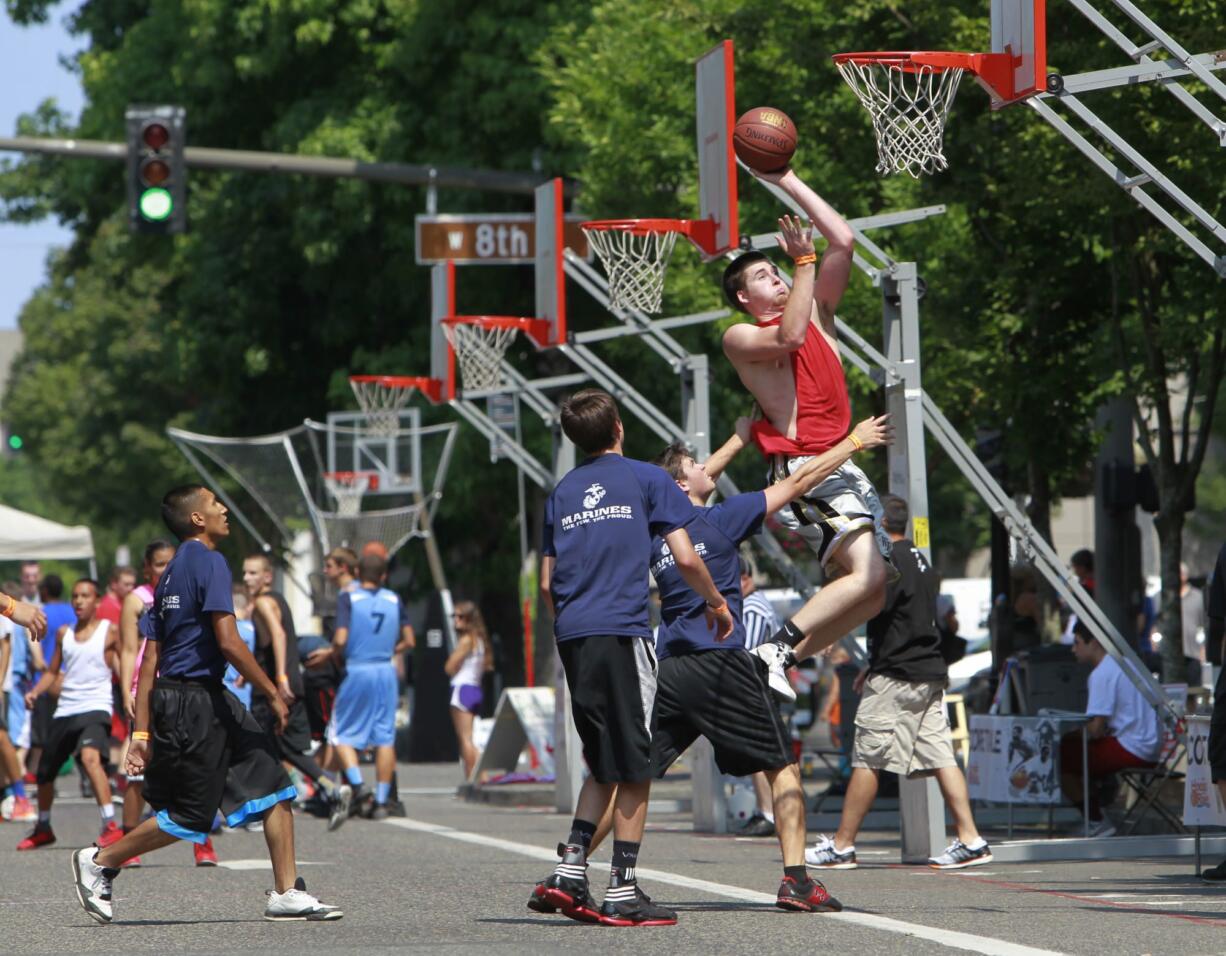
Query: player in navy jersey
(370, 632)
(599, 522)
(199, 749)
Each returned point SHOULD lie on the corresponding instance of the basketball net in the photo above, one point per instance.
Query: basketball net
(381, 402)
(635, 265)
(909, 108)
(480, 349)
(347, 490)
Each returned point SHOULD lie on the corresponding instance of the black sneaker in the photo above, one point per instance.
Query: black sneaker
(537, 902)
(625, 904)
(758, 826)
(566, 888)
(1216, 874)
(807, 897)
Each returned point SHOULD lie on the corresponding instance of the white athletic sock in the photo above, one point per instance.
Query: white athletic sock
(108, 811)
(977, 844)
(770, 817)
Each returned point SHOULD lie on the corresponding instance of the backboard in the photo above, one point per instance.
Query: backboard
(395, 459)
(1019, 29)
(715, 89)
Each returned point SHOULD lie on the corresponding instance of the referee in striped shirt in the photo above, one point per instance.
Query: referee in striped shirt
(759, 617)
(760, 622)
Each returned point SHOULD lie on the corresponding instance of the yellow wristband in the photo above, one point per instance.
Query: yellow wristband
(283, 678)
(140, 735)
(8, 609)
(716, 610)
(805, 260)
(856, 441)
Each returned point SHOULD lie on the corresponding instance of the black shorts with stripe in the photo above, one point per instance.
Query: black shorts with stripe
(67, 735)
(296, 738)
(720, 694)
(208, 753)
(612, 682)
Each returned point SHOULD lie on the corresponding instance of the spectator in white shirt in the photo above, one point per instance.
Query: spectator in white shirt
(1124, 730)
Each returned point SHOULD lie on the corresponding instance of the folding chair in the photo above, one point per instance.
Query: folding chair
(1147, 783)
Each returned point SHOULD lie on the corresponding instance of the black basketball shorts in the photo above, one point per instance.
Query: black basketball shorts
(296, 738)
(67, 735)
(720, 694)
(208, 752)
(612, 682)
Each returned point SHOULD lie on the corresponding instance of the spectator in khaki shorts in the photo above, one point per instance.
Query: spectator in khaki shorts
(901, 724)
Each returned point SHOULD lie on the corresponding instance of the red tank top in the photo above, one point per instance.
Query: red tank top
(823, 410)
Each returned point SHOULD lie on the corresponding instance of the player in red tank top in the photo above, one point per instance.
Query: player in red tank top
(788, 359)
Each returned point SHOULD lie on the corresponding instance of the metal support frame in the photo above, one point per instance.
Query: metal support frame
(1141, 172)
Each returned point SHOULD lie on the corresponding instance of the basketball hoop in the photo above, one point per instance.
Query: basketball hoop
(635, 254)
(481, 341)
(383, 397)
(348, 487)
(908, 96)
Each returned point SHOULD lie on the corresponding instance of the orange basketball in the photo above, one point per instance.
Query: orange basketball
(764, 139)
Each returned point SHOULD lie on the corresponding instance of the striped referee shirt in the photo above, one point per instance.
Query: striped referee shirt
(759, 618)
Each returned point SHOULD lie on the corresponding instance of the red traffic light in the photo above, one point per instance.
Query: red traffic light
(154, 172)
(155, 136)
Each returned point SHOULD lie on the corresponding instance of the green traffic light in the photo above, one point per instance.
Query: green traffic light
(156, 204)
(15, 442)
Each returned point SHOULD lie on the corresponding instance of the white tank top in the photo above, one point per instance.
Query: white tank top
(473, 668)
(87, 678)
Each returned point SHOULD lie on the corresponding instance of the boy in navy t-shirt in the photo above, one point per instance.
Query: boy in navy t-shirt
(198, 747)
(599, 522)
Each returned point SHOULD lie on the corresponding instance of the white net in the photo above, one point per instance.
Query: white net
(347, 489)
(909, 108)
(635, 265)
(480, 349)
(381, 400)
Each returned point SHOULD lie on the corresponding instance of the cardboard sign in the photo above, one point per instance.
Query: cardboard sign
(1202, 798)
(1014, 760)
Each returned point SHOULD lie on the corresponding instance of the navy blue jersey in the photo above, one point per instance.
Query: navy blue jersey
(599, 522)
(373, 617)
(716, 533)
(195, 584)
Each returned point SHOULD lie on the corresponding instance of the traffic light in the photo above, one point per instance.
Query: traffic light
(10, 442)
(157, 171)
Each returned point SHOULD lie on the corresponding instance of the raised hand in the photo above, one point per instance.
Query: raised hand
(796, 236)
(873, 432)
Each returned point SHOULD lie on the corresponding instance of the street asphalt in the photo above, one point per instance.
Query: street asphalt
(454, 877)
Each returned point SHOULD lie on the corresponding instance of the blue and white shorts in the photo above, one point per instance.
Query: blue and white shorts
(364, 714)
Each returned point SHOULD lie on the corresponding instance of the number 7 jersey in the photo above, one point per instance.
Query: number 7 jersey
(373, 618)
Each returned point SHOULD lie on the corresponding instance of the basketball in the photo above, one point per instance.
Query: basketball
(764, 139)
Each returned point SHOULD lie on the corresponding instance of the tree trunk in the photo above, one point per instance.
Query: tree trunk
(1039, 513)
(1170, 616)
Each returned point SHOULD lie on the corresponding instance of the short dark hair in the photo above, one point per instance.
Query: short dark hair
(53, 586)
(894, 514)
(590, 419)
(177, 507)
(734, 277)
(1083, 559)
(1080, 630)
(344, 556)
(671, 457)
(372, 567)
(91, 582)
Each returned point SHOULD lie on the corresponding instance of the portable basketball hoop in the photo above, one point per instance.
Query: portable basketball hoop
(908, 95)
(481, 341)
(635, 254)
(382, 397)
(348, 487)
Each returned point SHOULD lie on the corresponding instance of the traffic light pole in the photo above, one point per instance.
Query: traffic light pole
(202, 157)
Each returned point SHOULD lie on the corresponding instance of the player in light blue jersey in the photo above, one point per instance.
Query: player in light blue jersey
(370, 632)
(246, 630)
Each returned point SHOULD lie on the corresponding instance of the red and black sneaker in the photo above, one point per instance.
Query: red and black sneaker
(566, 888)
(41, 836)
(625, 904)
(537, 902)
(111, 833)
(808, 896)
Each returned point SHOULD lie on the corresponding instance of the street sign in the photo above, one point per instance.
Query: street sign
(497, 239)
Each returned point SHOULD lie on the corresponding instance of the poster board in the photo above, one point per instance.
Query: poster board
(524, 716)
(1014, 760)
(1202, 800)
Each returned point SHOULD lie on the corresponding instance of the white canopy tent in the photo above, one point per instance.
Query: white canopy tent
(28, 537)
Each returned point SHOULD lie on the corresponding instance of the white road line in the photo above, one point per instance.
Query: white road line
(953, 939)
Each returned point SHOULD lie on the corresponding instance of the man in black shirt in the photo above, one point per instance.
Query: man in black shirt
(901, 724)
(1215, 613)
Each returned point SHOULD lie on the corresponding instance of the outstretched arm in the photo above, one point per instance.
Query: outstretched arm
(722, 457)
(870, 433)
(835, 270)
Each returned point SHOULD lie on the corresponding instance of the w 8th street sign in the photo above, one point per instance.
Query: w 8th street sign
(479, 239)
